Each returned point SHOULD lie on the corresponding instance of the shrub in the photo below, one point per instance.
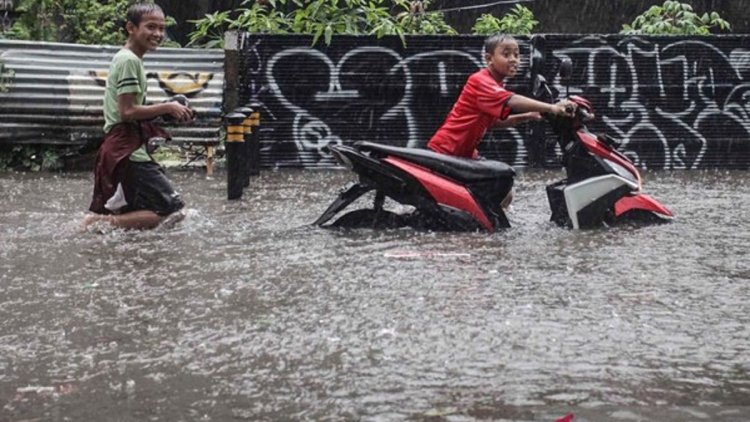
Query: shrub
(257, 18)
(415, 18)
(73, 21)
(31, 157)
(675, 18)
(322, 19)
(519, 21)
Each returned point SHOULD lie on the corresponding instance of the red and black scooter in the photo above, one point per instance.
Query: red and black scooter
(602, 186)
(447, 193)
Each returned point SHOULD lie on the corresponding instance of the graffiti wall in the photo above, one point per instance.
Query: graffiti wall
(674, 102)
(52, 93)
(677, 103)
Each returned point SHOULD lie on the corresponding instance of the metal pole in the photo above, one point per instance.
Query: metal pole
(254, 147)
(235, 144)
(248, 133)
(536, 147)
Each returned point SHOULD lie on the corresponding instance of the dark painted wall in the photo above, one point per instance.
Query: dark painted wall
(675, 102)
(359, 88)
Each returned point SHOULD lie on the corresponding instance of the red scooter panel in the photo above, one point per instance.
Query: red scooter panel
(444, 191)
(640, 202)
(601, 150)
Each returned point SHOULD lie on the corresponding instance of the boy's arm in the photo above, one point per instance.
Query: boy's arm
(499, 102)
(516, 119)
(526, 104)
(129, 111)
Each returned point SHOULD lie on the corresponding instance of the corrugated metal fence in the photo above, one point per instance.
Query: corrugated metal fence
(675, 102)
(52, 93)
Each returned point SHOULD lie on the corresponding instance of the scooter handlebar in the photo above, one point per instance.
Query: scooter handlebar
(182, 100)
(585, 115)
(574, 112)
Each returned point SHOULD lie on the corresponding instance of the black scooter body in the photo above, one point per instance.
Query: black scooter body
(430, 182)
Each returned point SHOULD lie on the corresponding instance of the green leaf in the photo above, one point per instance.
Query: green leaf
(317, 35)
(328, 34)
(673, 17)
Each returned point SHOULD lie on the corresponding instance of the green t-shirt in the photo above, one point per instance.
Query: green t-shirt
(126, 76)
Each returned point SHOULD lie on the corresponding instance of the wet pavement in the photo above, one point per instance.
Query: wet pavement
(245, 312)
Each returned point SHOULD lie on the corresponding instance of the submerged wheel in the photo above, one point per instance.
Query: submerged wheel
(370, 219)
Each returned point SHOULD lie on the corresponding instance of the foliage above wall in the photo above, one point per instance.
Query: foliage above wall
(675, 18)
(519, 21)
(72, 21)
(323, 19)
(416, 19)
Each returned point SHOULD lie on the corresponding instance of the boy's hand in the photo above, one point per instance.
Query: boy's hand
(534, 116)
(179, 112)
(564, 108)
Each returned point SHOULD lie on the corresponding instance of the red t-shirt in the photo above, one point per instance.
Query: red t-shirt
(482, 102)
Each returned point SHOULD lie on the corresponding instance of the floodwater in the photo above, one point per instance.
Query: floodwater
(245, 312)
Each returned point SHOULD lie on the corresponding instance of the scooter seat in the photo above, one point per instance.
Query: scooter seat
(457, 168)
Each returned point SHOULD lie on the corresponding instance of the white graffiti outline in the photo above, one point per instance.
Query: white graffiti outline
(335, 90)
(656, 72)
(705, 104)
(313, 123)
(637, 113)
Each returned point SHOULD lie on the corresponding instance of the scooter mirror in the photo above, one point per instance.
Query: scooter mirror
(538, 86)
(536, 62)
(542, 91)
(566, 69)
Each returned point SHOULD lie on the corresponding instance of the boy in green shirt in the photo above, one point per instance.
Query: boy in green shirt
(131, 191)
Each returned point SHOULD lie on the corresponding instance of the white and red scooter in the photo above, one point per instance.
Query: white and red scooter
(602, 186)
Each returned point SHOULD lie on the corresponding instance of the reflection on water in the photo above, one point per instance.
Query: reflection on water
(244, 312)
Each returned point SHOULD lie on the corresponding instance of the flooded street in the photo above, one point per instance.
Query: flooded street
(245, 312)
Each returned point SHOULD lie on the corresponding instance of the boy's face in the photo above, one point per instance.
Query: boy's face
(149, 34)
(504, 61)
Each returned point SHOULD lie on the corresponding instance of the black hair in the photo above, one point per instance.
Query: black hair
(137, 11)
(491, 42)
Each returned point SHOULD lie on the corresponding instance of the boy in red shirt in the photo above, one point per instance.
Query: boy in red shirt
(484, 102)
